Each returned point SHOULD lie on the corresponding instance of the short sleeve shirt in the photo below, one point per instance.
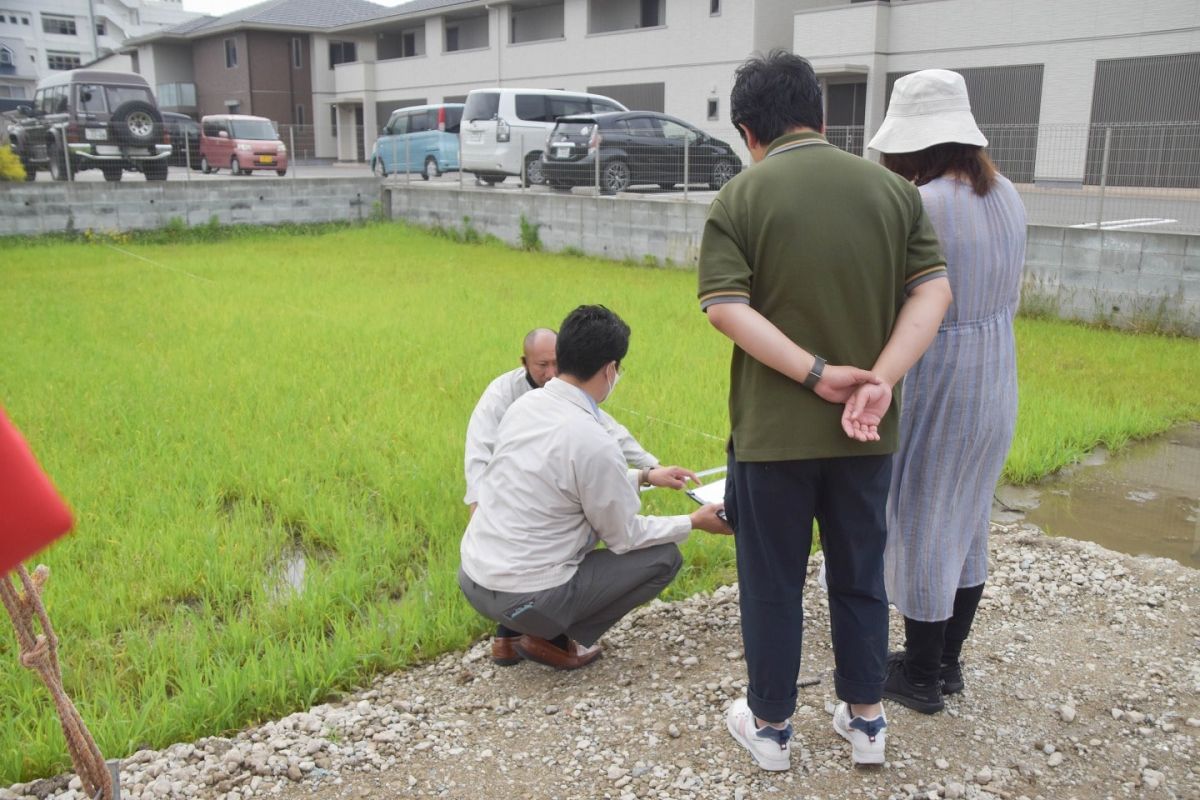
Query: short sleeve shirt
(825, 245)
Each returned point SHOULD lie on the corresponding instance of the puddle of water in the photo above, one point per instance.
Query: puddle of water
(287, 576)
(1143, 501)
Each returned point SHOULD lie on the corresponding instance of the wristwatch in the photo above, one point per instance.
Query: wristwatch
(644, 476)
(814, 374)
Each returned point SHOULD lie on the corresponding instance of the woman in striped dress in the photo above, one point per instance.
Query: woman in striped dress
(960, 400)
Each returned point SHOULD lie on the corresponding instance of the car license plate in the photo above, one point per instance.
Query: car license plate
(266, 159)
(95, 134)
(562, 150)
(475, 137)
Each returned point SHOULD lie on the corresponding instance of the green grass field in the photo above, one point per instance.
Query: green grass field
(214, 409)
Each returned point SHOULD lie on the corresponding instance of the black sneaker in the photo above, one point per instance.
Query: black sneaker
(952, 677)
(923, 697)
(951, 674)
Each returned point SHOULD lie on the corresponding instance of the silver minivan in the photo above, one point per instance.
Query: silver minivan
(504, 130)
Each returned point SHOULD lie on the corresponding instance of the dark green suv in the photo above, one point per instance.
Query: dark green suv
(84, 119)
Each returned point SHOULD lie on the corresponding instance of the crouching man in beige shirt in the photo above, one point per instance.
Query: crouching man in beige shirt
(558, 484)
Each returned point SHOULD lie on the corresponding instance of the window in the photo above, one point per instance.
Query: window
(260, 130)
(536, 22)
(299, 115)
(714, 7)
(333, 119)
(91, 99)
(651, 14)
(644, 126)
(63, 26)
(230, 53)
(342, 53)
(399, 124)
(601, 106)
(97, 98)
(531, 107)
(606, 16)
(12, 19)
(673, 130)
(6, 57)
(714, 108)
(467, 32)
(297, 53)
(419, 121)
(482, 105)
(60, 61)
(101, 28)
(566, 106)
(58, 100)
(408, 44)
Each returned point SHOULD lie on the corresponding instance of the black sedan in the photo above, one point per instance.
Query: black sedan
(634, 147)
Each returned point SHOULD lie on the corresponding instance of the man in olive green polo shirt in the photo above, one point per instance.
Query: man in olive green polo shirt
(813, 254)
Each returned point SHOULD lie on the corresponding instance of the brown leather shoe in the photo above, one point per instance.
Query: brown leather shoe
(543, 652)
(504, 651)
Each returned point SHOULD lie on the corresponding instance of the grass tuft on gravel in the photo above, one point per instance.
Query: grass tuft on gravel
(220, 411)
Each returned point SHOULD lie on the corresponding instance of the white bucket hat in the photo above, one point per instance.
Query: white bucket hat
(928, 107)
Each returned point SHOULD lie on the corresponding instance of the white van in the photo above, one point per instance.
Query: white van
(504, 130)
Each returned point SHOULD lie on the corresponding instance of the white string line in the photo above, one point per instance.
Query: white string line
(666, 422)
(169, 268)
(155, 263)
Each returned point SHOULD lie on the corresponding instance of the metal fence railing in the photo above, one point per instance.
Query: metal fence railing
(1111, 177)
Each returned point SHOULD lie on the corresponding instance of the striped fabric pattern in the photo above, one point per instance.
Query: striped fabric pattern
(959, 405)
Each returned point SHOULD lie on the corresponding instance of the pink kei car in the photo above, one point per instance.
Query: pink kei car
(242, 143)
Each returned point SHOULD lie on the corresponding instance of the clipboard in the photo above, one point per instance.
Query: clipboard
(710, 493)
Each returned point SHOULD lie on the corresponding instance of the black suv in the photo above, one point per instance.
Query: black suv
(86, 118)
(634, 147)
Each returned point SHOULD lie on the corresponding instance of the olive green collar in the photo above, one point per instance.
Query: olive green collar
(790, 140)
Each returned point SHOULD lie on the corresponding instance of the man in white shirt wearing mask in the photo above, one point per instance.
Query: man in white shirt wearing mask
(558, 484)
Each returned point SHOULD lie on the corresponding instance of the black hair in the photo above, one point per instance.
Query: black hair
(589, 338)
(773, 93)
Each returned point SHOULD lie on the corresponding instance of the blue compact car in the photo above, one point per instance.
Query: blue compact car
(422, 139)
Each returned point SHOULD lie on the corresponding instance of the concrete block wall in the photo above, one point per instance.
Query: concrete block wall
(137, 205)
(609, 227)
(1123, 277)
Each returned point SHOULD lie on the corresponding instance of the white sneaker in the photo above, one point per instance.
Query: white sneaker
(768, 746)
(868, 736)
(824, 584)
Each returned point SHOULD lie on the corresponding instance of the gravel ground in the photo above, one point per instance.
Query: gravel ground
(1083, 681)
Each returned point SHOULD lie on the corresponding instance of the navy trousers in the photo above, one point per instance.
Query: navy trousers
(771, 506)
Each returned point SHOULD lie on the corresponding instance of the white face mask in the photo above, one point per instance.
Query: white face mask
(612, 385)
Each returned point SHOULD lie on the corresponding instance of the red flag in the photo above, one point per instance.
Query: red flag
(31, 513)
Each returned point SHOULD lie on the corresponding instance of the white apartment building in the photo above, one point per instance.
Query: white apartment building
(1046, 77)
(41, 36)
(675, 56)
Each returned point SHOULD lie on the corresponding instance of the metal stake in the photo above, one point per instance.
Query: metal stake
(687, 148)
(1103, 176)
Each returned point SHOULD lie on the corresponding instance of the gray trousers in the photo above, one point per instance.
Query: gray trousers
(605, 588)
